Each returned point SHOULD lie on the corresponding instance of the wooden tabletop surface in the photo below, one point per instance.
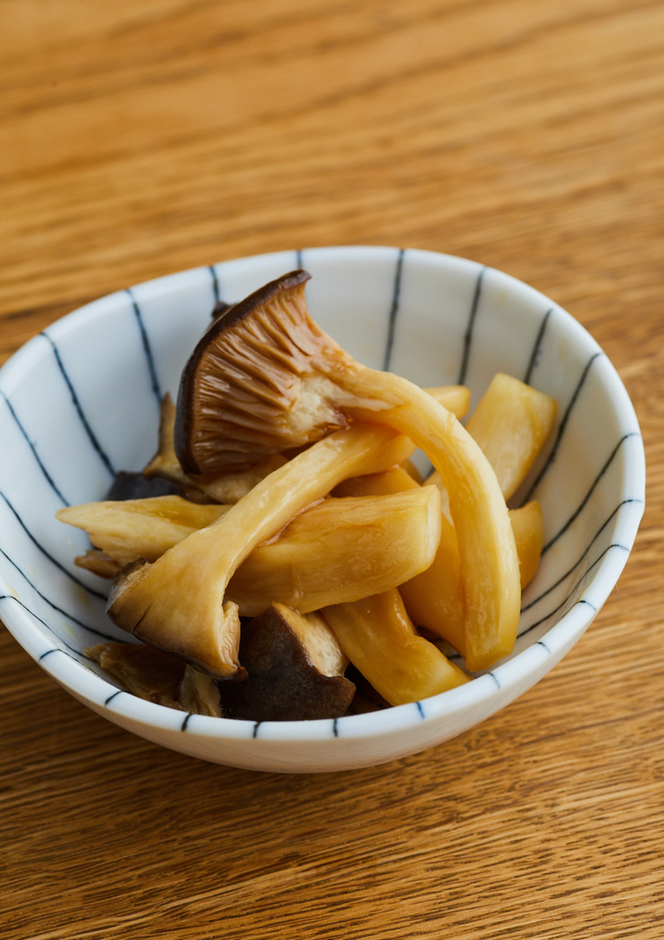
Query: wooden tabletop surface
(138, 139)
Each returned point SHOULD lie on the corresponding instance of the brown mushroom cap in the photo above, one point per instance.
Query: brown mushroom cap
(294, 668)
(238, 388)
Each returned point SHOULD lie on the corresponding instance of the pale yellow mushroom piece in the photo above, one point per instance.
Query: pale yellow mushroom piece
(342, 550)
(456, 398)
(379, 639)
(265, 378)
(528, 527)
(177, 603)
(338, 550)
(511, 423)
(129, 529)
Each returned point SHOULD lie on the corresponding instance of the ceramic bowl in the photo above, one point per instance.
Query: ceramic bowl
(80, 401)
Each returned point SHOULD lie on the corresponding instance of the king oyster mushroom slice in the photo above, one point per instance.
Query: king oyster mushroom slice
(369, 544)
(176, 603)
(265, 378)
(295, 670)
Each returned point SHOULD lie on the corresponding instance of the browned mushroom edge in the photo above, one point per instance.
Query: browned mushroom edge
(224, 318)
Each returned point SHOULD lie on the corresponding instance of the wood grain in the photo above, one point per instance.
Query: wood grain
(141, 139)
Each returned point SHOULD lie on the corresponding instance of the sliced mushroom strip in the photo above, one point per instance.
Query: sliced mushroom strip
(337, 550)
(342, 550)
(294, 670)
(140, 528)
(381, 642)
(177, 602)
(528, 526)
(265, 377)
(511, 424)
(456, 398)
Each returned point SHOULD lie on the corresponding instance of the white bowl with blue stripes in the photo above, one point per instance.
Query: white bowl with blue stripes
(81, 401)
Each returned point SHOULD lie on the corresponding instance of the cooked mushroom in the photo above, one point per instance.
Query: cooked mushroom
(456, 398)
(342, 550)
(140, 528)
(177, 602)
(295, 670)
(337, 550)
(511, 423)
(165, 464)
(130, 485)
(528, 527)
(99, 563)
(265, 377)
(244, 391)
(166, 468)
(379, 639)
(199, 694)
(158, 677)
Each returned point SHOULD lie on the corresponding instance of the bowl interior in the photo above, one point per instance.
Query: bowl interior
(81, 401)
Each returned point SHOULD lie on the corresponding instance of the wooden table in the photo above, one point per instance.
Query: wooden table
(137, 139)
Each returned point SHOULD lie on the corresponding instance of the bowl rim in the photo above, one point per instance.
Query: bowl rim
(506, 676)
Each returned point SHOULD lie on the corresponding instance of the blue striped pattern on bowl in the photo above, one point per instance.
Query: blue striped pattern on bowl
(80, 402)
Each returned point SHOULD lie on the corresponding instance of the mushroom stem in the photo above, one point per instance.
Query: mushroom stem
(379, 639)
(489, 561)
(176, 603)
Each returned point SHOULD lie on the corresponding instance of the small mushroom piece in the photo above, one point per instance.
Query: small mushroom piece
(140, 528)
(380, 640)
(511, 423)
(198, 693)
(157, 677)
(265, 377)
(528, 526)
(97, 562)
(148, 673)
(130, 485)
(295, 670)
(456, 398)
(165, 464)
(177, 602)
